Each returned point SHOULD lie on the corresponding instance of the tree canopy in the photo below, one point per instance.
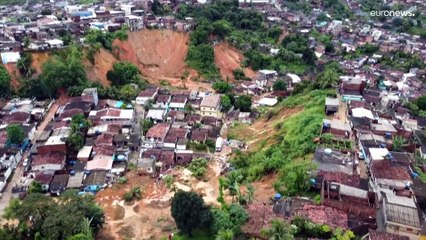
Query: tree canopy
(55, 219)
(243, 103)
(230, 217)
(222, 87)
(279, 85)
(190, 212)
(123, 73)
(4, 82)
(15, 133)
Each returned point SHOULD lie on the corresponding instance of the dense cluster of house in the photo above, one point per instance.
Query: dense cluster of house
(41, 26)
(368, 163)
(183, 122)
(27, 113)
(108, 142)
(183, 125)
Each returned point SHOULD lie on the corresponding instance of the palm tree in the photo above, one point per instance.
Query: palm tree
(279, 231)
(136, 192)
(328, 78)
(398, 143)
(225, 235)
(250, 192)
(86, 229)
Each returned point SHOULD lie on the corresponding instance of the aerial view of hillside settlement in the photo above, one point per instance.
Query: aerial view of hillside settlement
(212, 119)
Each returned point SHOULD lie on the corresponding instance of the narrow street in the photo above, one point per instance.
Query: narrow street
(16, 175)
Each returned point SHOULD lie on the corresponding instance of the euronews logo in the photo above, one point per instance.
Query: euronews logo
(391, 13)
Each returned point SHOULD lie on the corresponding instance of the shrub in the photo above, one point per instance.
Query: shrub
(198, 167)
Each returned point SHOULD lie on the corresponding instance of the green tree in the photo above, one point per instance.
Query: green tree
(80, 236)
(294, 178)
(63, 70)
(26, 41)
(279, 85)
(128, 92)
(146, 125)
(222, 87)
(198, 167)
(35, 187)
(322, 17)
(421, 102)
(222, 28)
(123, 73)
(398, 143)
(328, 78)
(239, 74)
(279, 231)
(188, 109)
(15, 133)
(4, 82)
(24, 65)
(134, 193)
(190, 212)
(157, 8)
(201, 56)
(226, 103)
(75, 142)
(243, 103)
(225, 235)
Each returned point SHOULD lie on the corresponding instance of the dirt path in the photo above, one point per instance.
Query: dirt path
(227, 59)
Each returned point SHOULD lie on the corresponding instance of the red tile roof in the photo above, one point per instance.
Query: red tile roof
(149, 92)
(324, 215)
(70, 113)
(103, 150)
(340, 177)
(114, 128)
(158, 131)
(259, 217)
(104, 139)
(385, 169)
(48, 158)
(16, 117)
(108, 112)
(175, 134)
(43, 178)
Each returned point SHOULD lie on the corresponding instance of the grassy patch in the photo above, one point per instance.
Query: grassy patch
(293, 138)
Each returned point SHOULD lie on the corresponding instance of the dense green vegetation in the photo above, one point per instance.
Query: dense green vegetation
(198, 167)
(24, 65)
(192, 215)
(105, 39)
(4, 82)
(402, 61)
(190, 212)
(42, 217)
(418, 107)
(15, 134)
(223, 20)
(293, 140)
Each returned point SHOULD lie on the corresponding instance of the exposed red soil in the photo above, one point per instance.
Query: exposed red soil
(227, 59)
(158, 53)
(104, 61)
(14, 73)
(38, 59)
